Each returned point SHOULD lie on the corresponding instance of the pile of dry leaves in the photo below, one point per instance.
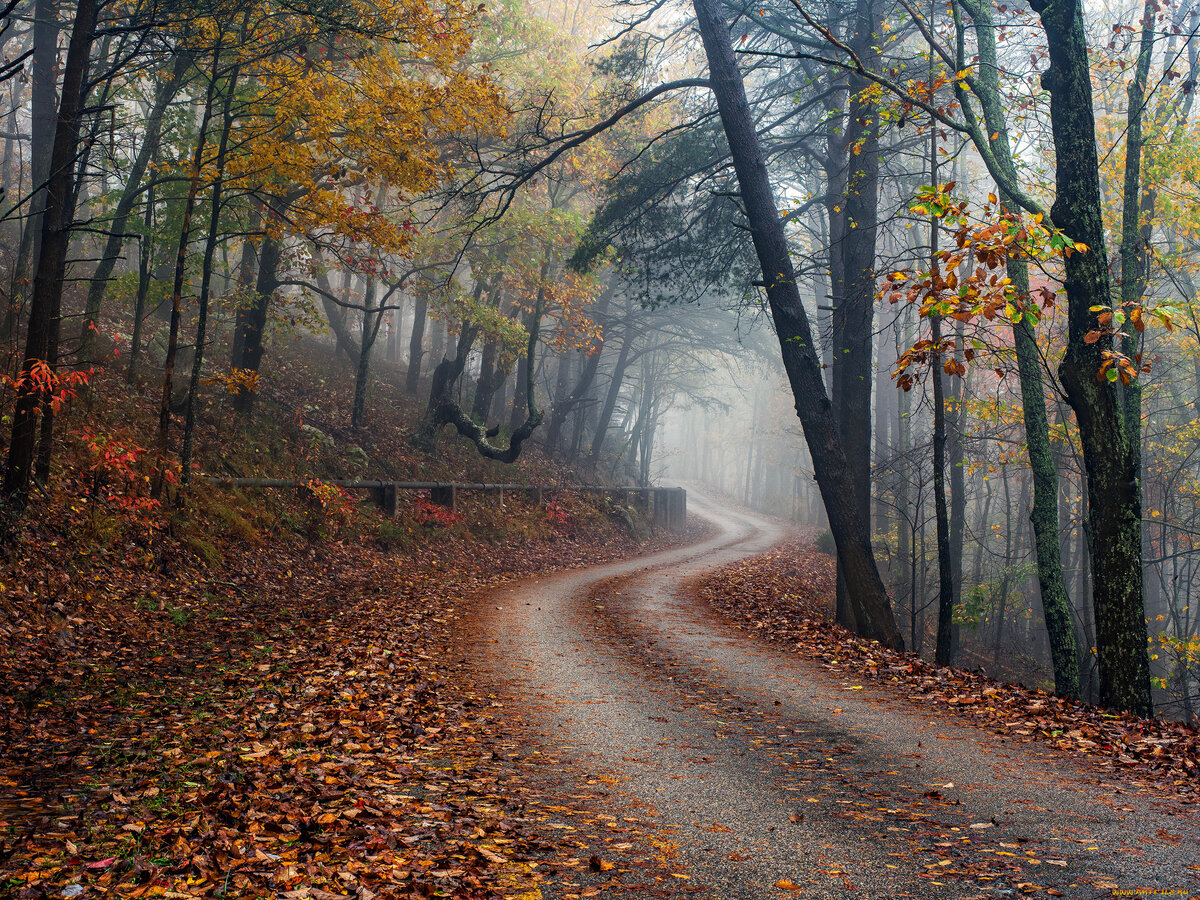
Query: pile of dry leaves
(786, 597)
(286, 723)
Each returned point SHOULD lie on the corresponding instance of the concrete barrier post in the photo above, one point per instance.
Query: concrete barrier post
(678, 519)
(388, 498)
(444, 495)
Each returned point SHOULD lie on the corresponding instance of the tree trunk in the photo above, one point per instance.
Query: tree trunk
(869, 599)
(524, 383)
(1114, 494)
(43, 128)
(1044, 514)
(251, 324)
(485, 386)
(943, 649)
(164, 410)
(393, 339)
(559, 406)
(906, 549)
(46, 298)
(614, 386)
(1135, 236)
(210, 247)
(416, 342)
(445, 375)
(145, 252)
(1006, 577)
(372, 319)
(945, 622)
(247, 273)
(854, 309)
(335, 314)
(958, 490)
(163, 96)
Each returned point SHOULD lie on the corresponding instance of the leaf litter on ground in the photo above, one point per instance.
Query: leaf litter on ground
(786, 597)
(291, 726)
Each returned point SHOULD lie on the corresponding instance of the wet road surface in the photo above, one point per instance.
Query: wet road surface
(777, 778)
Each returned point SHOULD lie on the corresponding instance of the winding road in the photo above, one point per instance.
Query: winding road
(776, 777)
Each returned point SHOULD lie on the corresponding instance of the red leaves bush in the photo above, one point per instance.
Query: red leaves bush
(428, 514)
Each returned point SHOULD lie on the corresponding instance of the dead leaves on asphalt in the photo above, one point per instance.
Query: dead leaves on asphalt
(786, 597)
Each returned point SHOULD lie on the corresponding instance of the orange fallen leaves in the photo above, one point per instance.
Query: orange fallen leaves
(786, 596)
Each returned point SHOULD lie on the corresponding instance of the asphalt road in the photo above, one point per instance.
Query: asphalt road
(767, 770)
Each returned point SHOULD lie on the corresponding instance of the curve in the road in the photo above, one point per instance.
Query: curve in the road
(771, 771)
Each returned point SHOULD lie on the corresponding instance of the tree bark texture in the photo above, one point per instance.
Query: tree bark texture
(854, 303)
(46, 298)
(872, 608)
(1044, 515)
(1113, 490)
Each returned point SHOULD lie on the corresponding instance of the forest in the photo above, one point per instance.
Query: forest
(908, 291)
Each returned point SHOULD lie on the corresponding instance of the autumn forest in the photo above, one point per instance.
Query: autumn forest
(557, 448)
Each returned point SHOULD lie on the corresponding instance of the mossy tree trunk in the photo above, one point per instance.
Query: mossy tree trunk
(1110, 460)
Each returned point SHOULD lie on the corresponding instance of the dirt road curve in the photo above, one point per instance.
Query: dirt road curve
(776, 778)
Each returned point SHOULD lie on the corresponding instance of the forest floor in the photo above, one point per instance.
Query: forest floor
(290, 723)
(251, 693)
(324, 719)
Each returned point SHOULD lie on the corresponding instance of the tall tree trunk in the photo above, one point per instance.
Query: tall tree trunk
(524, 383)
(437, 342)
(145, 253)
(247, 274)
(869, 599)
(1114, 495)
(46, 298)
(1135, 235)
(584, 403)
(163, 96)
(958, 490)
(10, 192)
(372, 319)
(1056, 605)
(44, 116)
(335, 314)
(906, 513)
(210, 247)
(189, 207)
(854, 309)
(251, 324)
(1006, 577)
(393, 338)
(445, 375)
(944, 647)
(558, 409)
(614, 385)
(945, 622)
(416, 342)
(885, 437)
(485, 387)
(581, 392)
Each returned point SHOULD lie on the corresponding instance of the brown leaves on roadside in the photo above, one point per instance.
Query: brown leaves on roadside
(293, 726)
(786, 597)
